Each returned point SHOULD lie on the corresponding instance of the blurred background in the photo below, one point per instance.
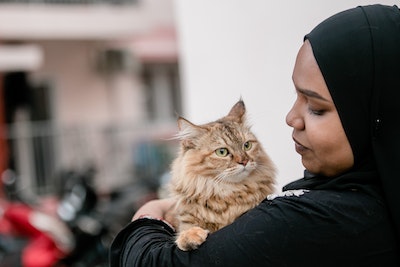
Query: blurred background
(86, 84)
(89, 95)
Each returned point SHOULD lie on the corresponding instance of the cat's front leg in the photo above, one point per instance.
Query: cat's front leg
(191, 238)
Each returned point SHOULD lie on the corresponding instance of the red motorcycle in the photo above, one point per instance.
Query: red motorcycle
(75, 231)
(32, 238)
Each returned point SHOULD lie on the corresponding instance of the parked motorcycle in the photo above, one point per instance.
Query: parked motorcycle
(30, 237)
(71, 236)
(79, 231)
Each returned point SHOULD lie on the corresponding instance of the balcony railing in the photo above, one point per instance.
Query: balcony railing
(119, 153)
(70, 2)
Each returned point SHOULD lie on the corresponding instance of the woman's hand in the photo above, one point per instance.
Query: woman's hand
(158, 208)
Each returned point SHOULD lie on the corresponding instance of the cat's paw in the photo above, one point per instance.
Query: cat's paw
(192, 238)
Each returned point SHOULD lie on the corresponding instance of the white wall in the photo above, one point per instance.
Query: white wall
(247, 48)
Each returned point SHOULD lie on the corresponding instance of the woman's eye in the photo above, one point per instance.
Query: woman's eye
(222, 152)
(247, 145)
(317, 112)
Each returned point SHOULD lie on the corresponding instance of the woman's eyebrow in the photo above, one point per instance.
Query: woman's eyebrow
(312, 94)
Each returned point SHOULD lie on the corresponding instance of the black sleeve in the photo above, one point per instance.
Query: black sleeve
(141, 239)
(254, 238)
(293, 231)
(147, 242)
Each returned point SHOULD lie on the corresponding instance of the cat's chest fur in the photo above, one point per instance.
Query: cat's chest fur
(212, 206)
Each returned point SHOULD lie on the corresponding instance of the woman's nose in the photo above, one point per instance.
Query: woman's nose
(293, 118)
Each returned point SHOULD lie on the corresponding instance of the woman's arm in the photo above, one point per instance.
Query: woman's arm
(319, 228)
(150, 242)
(158, 208)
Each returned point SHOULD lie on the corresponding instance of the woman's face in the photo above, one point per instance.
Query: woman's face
(317, 130)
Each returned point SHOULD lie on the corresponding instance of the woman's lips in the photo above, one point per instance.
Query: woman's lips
(299, 147)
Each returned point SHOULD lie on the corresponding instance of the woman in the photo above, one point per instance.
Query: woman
(346, 127)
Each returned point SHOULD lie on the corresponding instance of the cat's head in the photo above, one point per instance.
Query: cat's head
(225, 150)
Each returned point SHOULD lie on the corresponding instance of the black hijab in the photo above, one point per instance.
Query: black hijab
(358, 52)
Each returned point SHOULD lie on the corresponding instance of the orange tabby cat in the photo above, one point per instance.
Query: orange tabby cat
(221, 172)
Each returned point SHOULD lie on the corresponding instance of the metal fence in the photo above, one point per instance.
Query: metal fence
(39, 151)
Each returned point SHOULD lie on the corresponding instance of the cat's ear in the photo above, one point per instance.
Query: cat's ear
(185, 126)
(188, 132)
(238, 112)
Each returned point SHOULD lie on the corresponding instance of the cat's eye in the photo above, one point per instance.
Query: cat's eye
(222, 152)
(247, 145)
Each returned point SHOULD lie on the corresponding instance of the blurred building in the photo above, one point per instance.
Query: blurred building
(87, 83)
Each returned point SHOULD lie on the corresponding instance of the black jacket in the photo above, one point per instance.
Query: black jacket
(313, 223)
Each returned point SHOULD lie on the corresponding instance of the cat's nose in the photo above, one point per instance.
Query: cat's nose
(243, 162)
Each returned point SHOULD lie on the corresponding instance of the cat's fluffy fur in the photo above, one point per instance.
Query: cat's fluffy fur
(213, 188)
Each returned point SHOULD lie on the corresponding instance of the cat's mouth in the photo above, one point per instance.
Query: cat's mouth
(237, 174)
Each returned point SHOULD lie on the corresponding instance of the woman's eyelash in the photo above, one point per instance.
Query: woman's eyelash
(317, 112)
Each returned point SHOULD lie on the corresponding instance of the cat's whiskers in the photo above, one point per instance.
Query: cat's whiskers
(234, 174)
(220, 178)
